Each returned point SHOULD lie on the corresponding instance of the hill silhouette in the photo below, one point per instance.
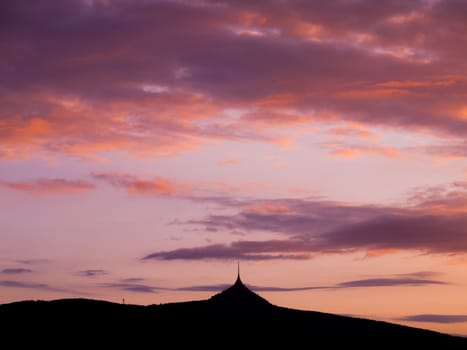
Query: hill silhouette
(237, 316)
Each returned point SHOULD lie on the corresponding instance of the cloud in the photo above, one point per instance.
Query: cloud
(132, 287)
(49, 186)
(132, 280)
(220, 287)
(16, 271)
(31, 285)
(205, 288)
(449, 150)
(409, 279)
(388, 282)
(351, 131)
(160, 75)
(230, 161)
(33, 261)
(28, 285)
(435, 318)
(93, 273)
(346, 150)
(240, 250)
(134, 185)
(433, 221)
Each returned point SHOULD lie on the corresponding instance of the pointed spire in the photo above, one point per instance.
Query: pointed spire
(238, 281)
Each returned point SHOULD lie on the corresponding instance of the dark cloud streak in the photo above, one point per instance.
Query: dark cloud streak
(16, 271)
(387, 282)
(408, 279)
(132, 287)
(435, 318)
(93, 273)
(31, 285)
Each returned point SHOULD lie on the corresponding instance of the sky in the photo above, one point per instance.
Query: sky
(147, 146)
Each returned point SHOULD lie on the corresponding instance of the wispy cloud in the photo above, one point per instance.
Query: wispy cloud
(205, 288)
(93, 273)
(31, 285)
(132, 184)
(16, 271)
(230, 161)
(49, 186)
(133, 280)
(435, 318)
(409, 279)
(28, 285)
(132, 287)
(240, 250)
(388, 282)
(33, 261)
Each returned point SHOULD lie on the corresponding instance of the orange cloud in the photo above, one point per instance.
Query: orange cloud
(268, 208)
(372, 93)
(345, 153)
(70, 126)
(282, 99)
(353, 130)
(374, 253)
(157, 186)
(351, 150)
(115, 95)
(50, 186)
(411, 83)
(229, 161)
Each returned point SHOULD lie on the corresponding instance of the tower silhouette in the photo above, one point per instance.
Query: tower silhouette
(239, 297)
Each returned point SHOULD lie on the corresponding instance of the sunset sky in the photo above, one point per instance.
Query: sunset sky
(146, 146)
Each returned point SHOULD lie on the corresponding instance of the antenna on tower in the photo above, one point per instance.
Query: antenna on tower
(238, 281)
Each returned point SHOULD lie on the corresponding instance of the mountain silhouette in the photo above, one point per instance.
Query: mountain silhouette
(237, 316)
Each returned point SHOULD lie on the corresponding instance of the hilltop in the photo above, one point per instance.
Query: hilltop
(235, 315)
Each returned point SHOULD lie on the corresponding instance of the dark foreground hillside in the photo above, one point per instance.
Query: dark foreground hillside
(234, 317)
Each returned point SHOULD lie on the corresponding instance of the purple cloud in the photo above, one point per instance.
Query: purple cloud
(133, 280)
(387, 282)
(432, 221)
(132, 285)
(93, 273)
(435, 318)
(409, 279)
(240, 250)
(33, 261)
(205, 288)
(193, 59)
(32, 285)
(28, 285)
(16, 271)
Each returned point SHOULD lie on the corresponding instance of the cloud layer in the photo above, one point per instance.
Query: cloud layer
(157, 77)
(433, 221)
(411, 279)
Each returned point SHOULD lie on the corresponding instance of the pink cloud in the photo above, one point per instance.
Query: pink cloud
(397, 65)
(230, 161)
(134, 185)
(353, 150)
(433, 221)
(45, 186)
